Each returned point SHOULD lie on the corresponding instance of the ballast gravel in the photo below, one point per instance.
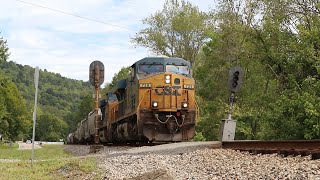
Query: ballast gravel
(205, 163)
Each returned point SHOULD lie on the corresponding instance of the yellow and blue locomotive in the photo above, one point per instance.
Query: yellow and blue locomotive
(156, 104)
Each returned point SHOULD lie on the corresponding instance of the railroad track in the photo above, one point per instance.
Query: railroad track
(285, 148)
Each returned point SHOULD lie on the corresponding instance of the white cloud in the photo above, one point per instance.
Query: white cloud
(67, 45)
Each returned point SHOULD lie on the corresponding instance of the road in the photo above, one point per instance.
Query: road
(25, 146)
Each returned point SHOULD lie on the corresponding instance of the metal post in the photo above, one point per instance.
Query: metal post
(228, 126)
(96, 77)
(36, 80)
(231, 100)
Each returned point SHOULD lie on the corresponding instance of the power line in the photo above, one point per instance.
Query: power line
(75, 15)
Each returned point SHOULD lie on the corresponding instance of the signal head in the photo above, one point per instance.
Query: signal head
(235, 79)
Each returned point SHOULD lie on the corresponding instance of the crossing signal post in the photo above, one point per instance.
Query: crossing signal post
(228, 126)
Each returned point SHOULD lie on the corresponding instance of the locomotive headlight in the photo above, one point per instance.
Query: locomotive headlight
(168, 79)
(154, 104)
(184, 105)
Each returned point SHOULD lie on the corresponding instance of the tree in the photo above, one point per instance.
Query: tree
(179, 30)
(4, 50)
(57, 95)
(13, 113)
(231, 44)
(124, 73)
(275, 43)
(84, 108)
(294, 54)
(14, 118)
(3, 117)
(50, 128)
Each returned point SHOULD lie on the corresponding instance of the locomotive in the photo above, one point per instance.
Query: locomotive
(156, 104)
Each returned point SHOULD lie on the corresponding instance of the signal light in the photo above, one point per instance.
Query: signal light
(235, 79)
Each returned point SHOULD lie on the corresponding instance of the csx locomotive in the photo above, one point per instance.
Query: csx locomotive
(156, 104)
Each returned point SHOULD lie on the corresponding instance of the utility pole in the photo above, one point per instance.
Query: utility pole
(36, 80)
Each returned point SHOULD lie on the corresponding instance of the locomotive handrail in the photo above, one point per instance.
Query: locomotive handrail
(142, 99)
(195, 102)
(197, 107)
(113, 111)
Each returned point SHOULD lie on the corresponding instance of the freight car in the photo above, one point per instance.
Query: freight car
(156, 104)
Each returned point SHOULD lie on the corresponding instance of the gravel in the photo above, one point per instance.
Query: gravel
(198, 161)
(83, 150)
(209, 164)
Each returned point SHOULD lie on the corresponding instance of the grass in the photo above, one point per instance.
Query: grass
(51, 162)
(51, 169)
(46, 152)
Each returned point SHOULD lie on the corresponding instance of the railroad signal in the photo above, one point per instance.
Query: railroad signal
(96, 76)
(235, 79)
(96, 73)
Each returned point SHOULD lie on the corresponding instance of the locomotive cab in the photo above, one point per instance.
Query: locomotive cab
(167, 107)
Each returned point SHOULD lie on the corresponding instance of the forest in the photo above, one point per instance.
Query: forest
(60, 101)
(276, 43)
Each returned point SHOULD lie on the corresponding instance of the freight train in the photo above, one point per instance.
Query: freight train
(156, 104)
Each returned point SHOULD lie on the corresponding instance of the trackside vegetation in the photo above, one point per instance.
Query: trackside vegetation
(275, 42)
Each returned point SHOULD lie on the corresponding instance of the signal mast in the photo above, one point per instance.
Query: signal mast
(228, 126)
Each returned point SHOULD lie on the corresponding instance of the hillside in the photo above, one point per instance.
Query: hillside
(58, 96)
(56, 93)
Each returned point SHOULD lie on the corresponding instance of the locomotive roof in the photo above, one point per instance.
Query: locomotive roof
(163, 60)
(149, 60)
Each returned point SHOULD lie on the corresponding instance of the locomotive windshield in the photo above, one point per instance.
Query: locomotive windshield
(179, 69)
(150, 68)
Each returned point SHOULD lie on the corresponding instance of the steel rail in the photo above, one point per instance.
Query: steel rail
(283, 147)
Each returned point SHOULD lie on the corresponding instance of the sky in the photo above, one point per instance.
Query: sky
(65, 44)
